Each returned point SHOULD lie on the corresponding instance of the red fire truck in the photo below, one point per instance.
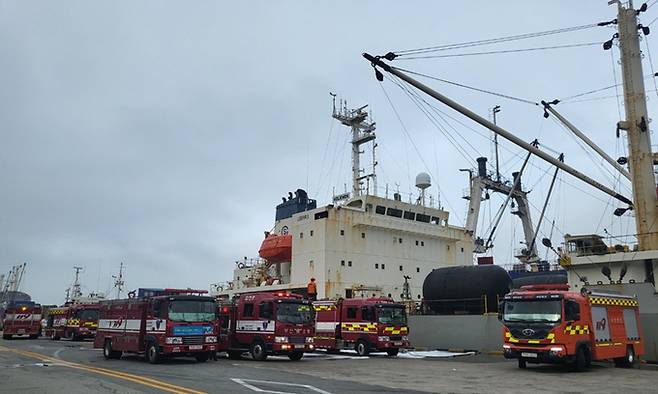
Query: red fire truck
(76, 322)
(370, 324)
(21, 318)
(159, 323)
(550, 324)
(267, 324)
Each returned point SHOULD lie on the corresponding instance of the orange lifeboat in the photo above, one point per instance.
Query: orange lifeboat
(276, 248)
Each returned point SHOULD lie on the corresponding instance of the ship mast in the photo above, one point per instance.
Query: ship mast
(362, 133)
(636, 125)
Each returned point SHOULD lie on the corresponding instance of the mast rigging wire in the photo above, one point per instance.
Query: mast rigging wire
(506, 96)
(503, 51)
(493, 40)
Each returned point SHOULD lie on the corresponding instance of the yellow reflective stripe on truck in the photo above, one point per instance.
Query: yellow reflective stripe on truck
(612, 301)
(576, 330)
(366, 327)
(394, 331)
(319, 308)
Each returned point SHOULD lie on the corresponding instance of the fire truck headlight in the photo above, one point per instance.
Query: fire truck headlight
(507, 347)
(309, 340)
(557, 349)
(281, 339)
(211, 339)
(383, 339)
(405, 338)
(174, 341)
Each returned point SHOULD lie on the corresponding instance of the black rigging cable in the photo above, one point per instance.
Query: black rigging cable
(492, 40)
(506, 96)
(503, 51)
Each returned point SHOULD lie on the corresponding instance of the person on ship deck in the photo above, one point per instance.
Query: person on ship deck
(312, 290)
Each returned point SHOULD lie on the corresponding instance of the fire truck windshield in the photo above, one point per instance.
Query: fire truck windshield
(87, 314)
(192, 311)
(532, 311)
(393, 315)
(294, 312)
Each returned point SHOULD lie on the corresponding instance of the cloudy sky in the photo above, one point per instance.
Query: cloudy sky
(162, 134)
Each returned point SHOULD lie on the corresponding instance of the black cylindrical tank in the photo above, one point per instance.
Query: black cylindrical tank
(462, 290)
(548, 279)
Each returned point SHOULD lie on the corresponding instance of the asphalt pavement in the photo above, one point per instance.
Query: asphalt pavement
(45, 366)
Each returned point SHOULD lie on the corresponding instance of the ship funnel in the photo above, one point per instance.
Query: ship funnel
(482, 166)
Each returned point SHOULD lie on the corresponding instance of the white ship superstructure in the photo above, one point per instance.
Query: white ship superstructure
(362, 245)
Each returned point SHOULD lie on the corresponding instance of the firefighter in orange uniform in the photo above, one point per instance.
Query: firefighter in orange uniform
(312, 290)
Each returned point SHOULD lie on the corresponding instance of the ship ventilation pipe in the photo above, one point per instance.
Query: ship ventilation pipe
(482, 166)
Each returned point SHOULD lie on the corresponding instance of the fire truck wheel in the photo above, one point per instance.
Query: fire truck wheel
(295, 356)
(627, 361)
(108, 353)
(392, 352)
(581, 359)
(54, 337)
(258, 351)
(152, 353)
(234, 354)
(522, 364)
(361, 348)
(34, 336)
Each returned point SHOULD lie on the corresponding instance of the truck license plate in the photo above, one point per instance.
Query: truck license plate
(196, 347)
(299, 346)
(529, 355)
(21, 331)
(397, 343)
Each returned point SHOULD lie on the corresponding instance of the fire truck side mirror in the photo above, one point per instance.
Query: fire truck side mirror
(501, 306)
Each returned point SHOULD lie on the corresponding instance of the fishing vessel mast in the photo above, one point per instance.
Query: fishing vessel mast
(363, 132)
(636, 125)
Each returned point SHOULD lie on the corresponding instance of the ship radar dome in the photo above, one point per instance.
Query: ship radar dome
(423, 180)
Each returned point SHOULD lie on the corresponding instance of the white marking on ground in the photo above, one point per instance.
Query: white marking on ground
(432, 354)
(252, 387)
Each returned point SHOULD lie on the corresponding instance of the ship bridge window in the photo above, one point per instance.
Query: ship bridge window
(322, 215)
(394, 212)
(422, 218)
(380, 209)
(355, 204)
(409, 215)
(436, 220)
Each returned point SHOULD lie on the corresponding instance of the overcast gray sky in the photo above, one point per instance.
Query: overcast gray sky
(162, 134)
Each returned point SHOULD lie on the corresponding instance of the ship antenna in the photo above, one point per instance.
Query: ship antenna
(118, 281)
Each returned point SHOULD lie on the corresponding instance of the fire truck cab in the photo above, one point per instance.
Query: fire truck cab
(159, 323)
(365, 325)
(21, 318)
(550, 324)
(76, 322)
(267, 324)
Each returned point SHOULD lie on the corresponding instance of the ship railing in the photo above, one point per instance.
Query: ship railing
(540, 266)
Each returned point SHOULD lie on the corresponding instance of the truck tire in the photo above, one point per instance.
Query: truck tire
(628, 360)
(258, 350)
(362, 348)
(580, 364)
(295, 356)
(393, 352)
(202, 357)
(153, 353)
(108, 352)
(522, 364)
(34, 336)
(234, 354)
